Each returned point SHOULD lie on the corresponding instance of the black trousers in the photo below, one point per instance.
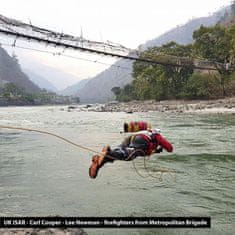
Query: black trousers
(125, 153)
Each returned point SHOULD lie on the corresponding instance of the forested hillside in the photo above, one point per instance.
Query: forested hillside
(215, 44)
(98, 89)
(10, 72)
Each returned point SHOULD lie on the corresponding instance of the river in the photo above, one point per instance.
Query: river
(41, 175)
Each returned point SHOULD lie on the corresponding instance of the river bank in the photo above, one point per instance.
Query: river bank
(43, 231)
(180, 106)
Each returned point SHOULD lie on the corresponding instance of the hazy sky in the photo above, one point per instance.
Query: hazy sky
(128, 22)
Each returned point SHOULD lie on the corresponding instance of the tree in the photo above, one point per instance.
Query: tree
(212, 43)
(10, 89)
(201, 86)
(163, 82)
(116, 90)
(230, 31)
(216, 44)
(126, 94)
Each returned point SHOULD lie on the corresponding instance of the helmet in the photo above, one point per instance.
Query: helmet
(156, 131)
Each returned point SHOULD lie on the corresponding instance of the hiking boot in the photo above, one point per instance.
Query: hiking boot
(98, 162)
(106, 155)
(95, 166)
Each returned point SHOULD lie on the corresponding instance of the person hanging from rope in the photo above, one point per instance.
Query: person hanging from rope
(143, 143)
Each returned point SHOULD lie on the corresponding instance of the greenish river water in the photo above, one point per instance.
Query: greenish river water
(41, 175)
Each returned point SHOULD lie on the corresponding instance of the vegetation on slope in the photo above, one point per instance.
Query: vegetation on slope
(215, 44)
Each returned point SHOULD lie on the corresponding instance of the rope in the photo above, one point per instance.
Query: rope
(49, 133)
(133, 162)
(162, 170)
(57, 136)
(142, 153)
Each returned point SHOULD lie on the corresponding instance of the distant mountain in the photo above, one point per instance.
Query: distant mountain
(39, 80)
(183, 34)
(72, 90)
(98, 89)
(10, 71)
(58, 78)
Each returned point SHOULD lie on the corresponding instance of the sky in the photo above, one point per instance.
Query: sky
(127, 22)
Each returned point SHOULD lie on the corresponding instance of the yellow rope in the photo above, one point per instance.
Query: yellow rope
(49, 133)
(55, 135)
(161, 170)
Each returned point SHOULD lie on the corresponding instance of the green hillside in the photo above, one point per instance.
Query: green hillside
(215, 44)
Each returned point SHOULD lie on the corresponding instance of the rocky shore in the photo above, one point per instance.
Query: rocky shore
(43, 231)
(179, 106)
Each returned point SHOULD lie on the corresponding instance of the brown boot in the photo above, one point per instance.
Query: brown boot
(98, 162)
(95, 166)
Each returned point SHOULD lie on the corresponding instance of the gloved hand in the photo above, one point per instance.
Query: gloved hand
(159, 150)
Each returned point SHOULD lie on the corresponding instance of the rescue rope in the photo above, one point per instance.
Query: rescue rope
(131, 155)
(49, 133)
(161, 170)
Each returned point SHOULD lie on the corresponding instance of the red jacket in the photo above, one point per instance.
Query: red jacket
(154, 141)
(164, 143)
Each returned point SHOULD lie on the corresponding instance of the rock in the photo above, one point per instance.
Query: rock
(168, 106)
(72, 107)
(43, 231)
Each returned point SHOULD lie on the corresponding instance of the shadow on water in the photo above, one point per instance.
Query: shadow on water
(200, 157)
(187, 125)
(8, 138)
(219, 120)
